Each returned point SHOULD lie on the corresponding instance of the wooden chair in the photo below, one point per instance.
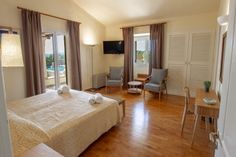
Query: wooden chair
(114, 78)
(188, 109)
(157, 82)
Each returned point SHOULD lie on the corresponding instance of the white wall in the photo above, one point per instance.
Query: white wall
(91, 32)
(184, 24)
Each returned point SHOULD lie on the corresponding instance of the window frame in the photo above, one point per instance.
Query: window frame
(140, 37)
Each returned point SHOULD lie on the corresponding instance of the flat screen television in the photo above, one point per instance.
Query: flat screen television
(113, 47)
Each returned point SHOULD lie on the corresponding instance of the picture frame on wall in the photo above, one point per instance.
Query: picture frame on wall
(222, 56)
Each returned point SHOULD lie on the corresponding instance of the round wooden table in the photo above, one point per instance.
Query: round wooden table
(135, 87)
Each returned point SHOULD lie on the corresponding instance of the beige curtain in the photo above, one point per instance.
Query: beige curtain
(157, 43)
(128, 36)
(33, 49)
(75, 55)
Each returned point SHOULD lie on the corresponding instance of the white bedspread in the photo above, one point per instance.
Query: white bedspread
(71, 123)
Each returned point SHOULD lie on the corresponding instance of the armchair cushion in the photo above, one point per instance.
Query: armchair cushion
(116, 73)
(152, 87)
(158, 75)
(114, 83)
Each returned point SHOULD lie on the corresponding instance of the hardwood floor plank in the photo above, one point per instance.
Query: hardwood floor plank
(151, 128)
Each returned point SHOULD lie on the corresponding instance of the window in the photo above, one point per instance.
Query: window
(55, 60)
(141, 53)
(142, 48)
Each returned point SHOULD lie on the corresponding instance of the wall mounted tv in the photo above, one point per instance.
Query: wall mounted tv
(113, 47)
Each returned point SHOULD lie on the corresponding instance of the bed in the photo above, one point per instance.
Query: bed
(67, 123)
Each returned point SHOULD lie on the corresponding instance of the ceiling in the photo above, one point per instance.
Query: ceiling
(110, 12)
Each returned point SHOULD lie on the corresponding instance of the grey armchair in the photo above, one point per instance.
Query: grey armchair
(157, 83)
(115, 77)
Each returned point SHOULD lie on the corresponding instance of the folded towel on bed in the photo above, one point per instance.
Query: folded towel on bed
(59, 91)
(63, 89)
(98, 98)
(92, 100)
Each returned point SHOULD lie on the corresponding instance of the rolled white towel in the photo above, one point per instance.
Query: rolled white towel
(59, 91)
(65, 89)
(92, 100)
(98, 98)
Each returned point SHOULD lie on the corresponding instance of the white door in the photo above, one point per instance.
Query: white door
(177, 61)
(199, 60)
(226, 122)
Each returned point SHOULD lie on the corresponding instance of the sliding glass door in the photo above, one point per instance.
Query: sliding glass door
(55, 60)
(61, 60)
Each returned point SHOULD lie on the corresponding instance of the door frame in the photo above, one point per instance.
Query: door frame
(229, 53)
(55, 57)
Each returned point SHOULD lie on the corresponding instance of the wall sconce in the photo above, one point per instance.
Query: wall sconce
(223, 20)
(11, 55)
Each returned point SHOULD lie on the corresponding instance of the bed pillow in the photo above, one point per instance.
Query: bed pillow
(24, 134)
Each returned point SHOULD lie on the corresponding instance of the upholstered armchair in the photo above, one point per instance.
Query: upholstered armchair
(115, 77)
(157, 82)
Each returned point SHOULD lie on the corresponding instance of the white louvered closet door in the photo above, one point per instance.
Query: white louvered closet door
(189, 61)
(200, 58)
(177, 56)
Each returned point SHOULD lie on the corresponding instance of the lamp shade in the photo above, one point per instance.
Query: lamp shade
(11, 54)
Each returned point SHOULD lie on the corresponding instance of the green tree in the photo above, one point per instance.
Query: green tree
(49, 60)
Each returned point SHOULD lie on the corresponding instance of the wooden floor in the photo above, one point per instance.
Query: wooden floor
(151, 128)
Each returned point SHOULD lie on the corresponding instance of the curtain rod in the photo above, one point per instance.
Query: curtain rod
(143, 25)
(48, 15)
